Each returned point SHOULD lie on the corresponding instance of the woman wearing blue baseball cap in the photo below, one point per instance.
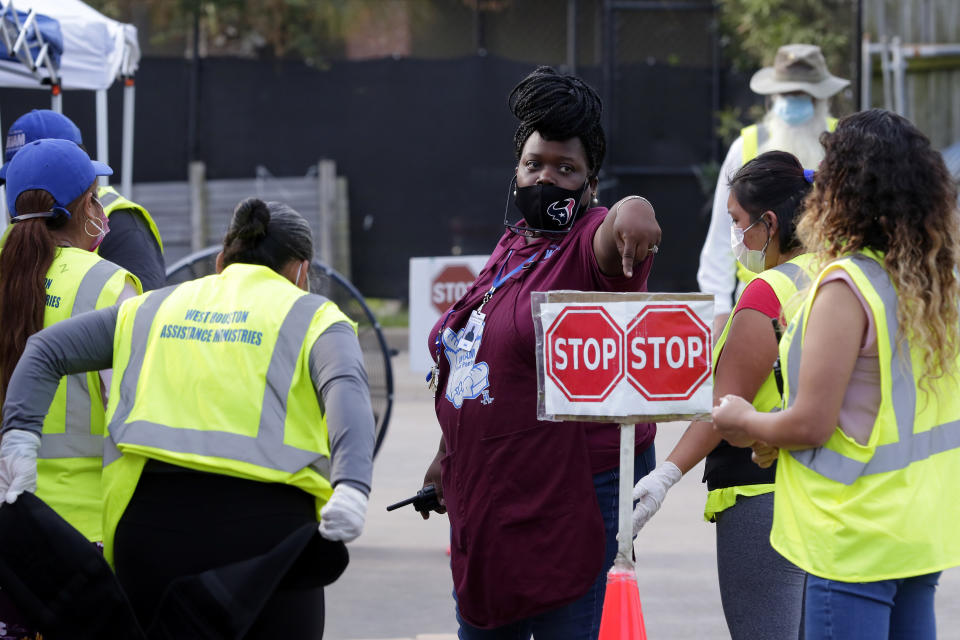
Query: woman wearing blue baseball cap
(48, 273)
(135, 243)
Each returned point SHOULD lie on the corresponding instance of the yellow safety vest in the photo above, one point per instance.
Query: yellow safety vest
(886, 509)
(214, 375)
(113, 201)
(753, 137)
(69, 461)
(785, 280)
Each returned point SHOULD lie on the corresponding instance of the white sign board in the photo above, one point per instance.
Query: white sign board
(435, 284)
(623, 357)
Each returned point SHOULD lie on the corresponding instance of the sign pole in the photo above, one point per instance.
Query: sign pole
(625, 531)
(623, 358)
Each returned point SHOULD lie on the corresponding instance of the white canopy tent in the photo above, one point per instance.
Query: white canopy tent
(97, 51)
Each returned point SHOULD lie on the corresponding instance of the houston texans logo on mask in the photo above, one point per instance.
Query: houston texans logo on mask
(546, 208)
(561, 211)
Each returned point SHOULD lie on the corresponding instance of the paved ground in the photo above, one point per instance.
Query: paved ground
(398, 584)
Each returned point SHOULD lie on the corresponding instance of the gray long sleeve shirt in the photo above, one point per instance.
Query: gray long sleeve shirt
(85, 343)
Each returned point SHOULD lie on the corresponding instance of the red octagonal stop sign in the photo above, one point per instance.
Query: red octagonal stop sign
(668, 352)
(450, 285)
(584, 353)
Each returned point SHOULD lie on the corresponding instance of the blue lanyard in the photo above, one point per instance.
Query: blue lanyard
(498, 280)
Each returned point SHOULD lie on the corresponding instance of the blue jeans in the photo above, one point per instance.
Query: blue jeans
(579, 620)
(885, 610)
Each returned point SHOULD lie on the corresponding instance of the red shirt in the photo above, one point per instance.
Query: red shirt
(526, 531)
(759, 296)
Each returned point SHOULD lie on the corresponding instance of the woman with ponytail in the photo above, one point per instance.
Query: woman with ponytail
(49, 273)
(239, 416)
(867, 483)
(533, 507)
(766, 198)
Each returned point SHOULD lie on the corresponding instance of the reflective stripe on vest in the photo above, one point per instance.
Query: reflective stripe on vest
(910, 447)
(267, 449)
(108, 198)
(800, 278)
(784, 280)
(77, 441)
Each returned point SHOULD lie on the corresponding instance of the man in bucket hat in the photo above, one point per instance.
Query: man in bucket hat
(800, 86)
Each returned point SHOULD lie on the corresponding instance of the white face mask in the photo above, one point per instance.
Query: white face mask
(297, 281)
(751, 259)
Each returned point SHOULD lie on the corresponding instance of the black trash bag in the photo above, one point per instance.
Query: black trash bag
(223, 603)
(58, 579)
(60, 582)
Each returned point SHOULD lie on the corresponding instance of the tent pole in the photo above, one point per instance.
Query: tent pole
(193, 94)
(56, 98)
(126, 170)
(103, 154)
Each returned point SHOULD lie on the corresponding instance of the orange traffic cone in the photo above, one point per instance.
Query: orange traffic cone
(622, 618)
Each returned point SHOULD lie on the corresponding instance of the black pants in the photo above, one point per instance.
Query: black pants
(182, 522)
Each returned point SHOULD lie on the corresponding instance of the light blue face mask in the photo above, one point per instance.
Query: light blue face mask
(794, 110)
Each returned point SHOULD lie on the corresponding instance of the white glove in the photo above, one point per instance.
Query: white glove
(18, 463)
(651, 490)
(343, 515)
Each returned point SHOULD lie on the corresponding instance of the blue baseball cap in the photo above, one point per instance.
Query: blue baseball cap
(59, 167)
(36, 125)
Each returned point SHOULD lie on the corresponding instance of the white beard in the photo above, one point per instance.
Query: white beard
(802, 140)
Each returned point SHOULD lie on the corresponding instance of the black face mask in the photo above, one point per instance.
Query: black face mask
(546, 208)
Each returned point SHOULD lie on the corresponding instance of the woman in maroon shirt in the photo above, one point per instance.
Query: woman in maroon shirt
(533, 505)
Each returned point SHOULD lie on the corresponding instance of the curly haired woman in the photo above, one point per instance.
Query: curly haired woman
(867, 484)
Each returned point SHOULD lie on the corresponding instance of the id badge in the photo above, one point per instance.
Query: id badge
(473, 330)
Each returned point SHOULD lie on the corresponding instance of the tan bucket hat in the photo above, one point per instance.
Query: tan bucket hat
(797, 67)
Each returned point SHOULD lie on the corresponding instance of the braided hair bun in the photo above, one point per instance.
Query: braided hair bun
(559, 107)
(266, 233)
(250, 221)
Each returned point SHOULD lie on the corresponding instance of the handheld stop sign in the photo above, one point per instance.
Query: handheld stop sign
(623, 357)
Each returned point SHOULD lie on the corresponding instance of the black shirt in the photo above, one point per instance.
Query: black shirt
(131, 245)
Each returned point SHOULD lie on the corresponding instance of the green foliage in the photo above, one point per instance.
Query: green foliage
(389, 312)
(311, 30)
(753, 30)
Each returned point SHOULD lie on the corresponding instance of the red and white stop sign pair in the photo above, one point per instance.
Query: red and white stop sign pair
(622, 356)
